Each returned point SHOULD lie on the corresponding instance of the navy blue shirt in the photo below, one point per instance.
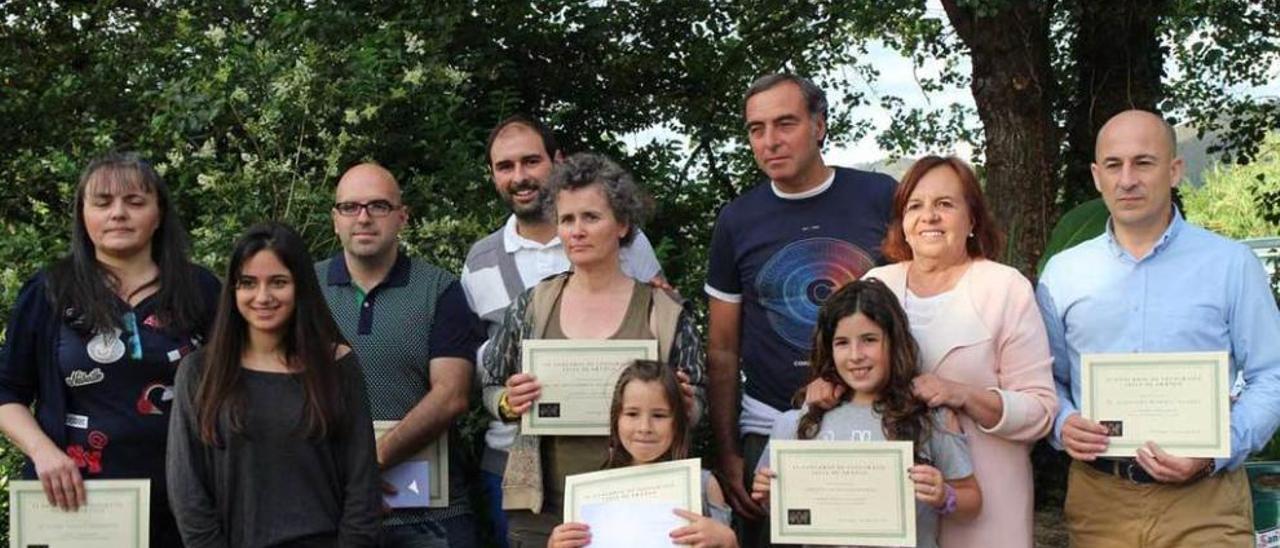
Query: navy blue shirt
(781, 258)
(103, 399)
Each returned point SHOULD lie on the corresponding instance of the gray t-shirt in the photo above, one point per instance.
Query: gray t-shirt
(949, 452)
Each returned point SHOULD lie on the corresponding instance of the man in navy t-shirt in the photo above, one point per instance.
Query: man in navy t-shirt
(777, 253)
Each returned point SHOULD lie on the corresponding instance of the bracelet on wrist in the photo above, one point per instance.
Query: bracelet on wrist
(948, 504)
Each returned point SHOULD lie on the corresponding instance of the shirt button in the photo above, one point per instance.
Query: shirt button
(366, 304)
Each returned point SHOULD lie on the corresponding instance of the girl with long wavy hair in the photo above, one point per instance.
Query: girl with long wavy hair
(862, 342)
(94, 341)
(271, 441)
(649, 423)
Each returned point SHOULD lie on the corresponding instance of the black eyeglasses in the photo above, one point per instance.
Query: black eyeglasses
(376, 208)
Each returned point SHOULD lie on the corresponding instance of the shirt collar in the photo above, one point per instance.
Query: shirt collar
(806, 194)
(512, 241)
(397, 277)
(1170, 233)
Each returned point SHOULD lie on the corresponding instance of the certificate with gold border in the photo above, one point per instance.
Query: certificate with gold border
(437, 457)
(118, 515)
(577, 378)
(1179, 400)
(842, 493)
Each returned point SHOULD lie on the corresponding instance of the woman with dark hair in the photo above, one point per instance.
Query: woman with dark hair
(94, 341)
(597, 208)
(983, 349)
(271, 440)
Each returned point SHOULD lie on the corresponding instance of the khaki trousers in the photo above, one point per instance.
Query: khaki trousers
(1105, 511)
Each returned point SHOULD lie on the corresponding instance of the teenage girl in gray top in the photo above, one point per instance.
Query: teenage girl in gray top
(862, 341)
(271, 443)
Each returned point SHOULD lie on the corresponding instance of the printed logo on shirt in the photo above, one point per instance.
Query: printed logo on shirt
(77, 421)
(153, 396)
(81, 377)
(796, 280)
(89, 459)
(854, 435)
(180, 352)
(98, 440)
(106, 347)
(153, 322)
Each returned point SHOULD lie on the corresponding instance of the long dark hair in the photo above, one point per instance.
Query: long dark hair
(310, 340)
(903, 417)
(82, 290)
(649, 371)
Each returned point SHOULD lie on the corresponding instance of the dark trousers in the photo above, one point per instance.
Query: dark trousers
(751, 533)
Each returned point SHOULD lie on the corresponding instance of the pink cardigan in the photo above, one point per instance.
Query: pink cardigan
(991, 334)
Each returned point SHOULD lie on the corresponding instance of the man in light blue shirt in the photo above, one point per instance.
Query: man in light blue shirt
(1156, 283)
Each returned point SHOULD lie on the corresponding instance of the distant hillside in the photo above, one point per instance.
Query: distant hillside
(1195, 154)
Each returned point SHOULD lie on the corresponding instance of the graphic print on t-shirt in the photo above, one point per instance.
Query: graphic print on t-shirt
(797, 279)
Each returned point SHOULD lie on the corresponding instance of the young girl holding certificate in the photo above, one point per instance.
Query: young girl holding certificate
(271, 443)
(649, 423)
(862, 341)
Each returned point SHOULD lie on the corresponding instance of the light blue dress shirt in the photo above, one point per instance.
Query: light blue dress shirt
(1194, 291)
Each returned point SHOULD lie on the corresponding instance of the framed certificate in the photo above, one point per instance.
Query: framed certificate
(841, 493)
(674, 484)
(435, 455)
(118, 515)
(577, 378)
(1178, 400)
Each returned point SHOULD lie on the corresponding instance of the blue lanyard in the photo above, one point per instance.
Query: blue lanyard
(135, 339)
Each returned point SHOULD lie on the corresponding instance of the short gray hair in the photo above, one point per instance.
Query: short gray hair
(629, 203)
(814, 98)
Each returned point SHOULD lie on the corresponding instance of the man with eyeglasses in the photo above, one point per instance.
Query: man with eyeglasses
(416, 339)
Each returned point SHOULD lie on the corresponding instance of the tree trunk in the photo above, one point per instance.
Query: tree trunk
(1013, 87)
(1116, 65)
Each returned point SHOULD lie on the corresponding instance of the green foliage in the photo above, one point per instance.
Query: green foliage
(251, 110)
(1231, 203)
(1082, 223)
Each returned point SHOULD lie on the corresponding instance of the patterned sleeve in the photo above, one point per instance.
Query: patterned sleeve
(687, 356)
(502, 353)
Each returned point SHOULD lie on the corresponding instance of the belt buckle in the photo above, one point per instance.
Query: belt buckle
(1128, 466)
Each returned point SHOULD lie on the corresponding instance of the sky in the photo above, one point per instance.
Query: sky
(896, 79)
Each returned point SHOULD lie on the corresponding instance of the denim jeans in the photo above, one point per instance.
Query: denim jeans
(493, 494)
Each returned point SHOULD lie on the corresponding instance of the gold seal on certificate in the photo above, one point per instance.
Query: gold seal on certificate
(1177, 400)
(118, 515)
(577, 378)
(436, 455)
(842, 492)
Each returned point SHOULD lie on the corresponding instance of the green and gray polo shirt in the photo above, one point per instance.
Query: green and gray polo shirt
(417, 313)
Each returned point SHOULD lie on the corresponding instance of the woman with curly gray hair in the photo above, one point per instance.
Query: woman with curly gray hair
(597, 208)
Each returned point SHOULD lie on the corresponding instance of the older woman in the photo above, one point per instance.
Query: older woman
(983, 349)
(597, 208)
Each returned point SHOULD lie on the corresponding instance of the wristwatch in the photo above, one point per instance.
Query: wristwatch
(504, 408)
